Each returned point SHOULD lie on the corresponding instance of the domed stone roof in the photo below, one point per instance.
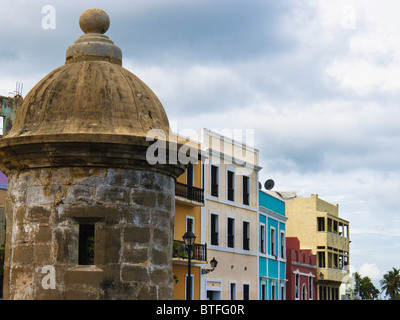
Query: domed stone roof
(96, 97)
(89, 101)
(91, 93)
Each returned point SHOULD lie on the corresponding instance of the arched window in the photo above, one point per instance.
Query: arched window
(303, 292)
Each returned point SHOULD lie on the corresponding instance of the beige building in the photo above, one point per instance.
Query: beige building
(316, 223)
(230, 218)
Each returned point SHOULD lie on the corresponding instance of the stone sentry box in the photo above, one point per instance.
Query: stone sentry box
(82, 198)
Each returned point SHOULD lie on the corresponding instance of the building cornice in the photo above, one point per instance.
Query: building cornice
(273, 214)
(232, 160)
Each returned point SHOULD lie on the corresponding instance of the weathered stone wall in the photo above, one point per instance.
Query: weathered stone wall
(133, 212)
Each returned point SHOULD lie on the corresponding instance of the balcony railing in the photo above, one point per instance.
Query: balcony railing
(199, 251)
(189, 192)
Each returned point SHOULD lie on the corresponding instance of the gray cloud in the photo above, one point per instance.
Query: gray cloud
(322, 99)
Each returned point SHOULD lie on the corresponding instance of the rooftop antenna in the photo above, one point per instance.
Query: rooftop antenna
(18, 89)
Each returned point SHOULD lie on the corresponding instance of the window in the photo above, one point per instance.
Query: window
(263, 291)
(310, 288)
(246, 235)
(214, 229)
(340, 229)
(345, 230)
(189, 175)
(335, 226)
(232, 291)
(282, 244)
(321, 223)
(231, 233)
(297, 286)
(303, 292)
(272, 241)
(231, 186)
(214, 180)
(329, 225)
(262, 238)
(214, 295)
(283, 292)
(346, 261)
(321, 259)
(273, 291)
(86, 244)
(189, 224)
(330, 260)
(335, 293)
(322, 292)
(246, 291)
(246, 188)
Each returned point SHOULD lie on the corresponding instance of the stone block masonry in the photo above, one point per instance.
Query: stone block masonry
(88, 217)
(131, 211)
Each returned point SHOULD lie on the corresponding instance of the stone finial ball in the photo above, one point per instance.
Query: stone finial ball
(94, 21)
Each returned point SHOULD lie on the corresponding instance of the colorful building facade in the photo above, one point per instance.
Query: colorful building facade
(272, 246)
(189, 199)
(316, 223)
(301, 272)
(230, 217)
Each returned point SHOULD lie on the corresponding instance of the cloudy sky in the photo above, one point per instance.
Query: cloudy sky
(317, 81)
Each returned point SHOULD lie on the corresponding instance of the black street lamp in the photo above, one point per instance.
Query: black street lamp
(213, 264)
(189, 238)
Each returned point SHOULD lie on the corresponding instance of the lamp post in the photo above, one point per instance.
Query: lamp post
(213, 264)
(189, 238)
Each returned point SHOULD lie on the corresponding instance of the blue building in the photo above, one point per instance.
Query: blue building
(272, 246)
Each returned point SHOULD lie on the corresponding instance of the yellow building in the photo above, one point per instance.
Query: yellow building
(230, 218)
(189, 199)
(316, 223)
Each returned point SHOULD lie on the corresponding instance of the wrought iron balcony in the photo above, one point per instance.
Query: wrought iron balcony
(189, 192)
(199, 251)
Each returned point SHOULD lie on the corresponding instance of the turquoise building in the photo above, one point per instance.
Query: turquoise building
(272, 246)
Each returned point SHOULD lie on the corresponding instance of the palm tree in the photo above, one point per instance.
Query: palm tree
(391, 283)
(365, 288)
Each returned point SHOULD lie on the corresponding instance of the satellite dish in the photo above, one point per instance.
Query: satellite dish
(269, 184)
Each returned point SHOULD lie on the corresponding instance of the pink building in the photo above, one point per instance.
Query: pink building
(301, 271)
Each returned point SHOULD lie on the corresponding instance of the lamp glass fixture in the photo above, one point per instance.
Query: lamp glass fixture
(189, 238)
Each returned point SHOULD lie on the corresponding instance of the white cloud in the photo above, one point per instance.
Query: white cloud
(319, 89)
(371, 270)
(364, 76)
(370, 61)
